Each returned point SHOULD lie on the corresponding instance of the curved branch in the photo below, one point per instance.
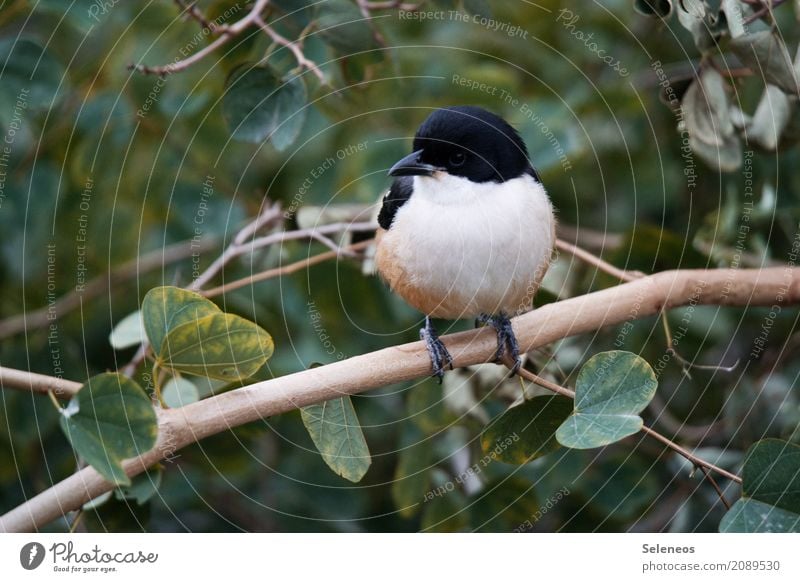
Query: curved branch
(640, 298)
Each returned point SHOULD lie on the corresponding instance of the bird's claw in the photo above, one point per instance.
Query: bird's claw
(440, 357)
(506, 340)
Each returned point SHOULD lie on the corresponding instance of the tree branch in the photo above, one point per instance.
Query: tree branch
(226, 33)
(640, 298)
(72, 300)
(32, 382)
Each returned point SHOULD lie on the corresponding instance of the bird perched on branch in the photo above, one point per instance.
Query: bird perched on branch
(466, 229)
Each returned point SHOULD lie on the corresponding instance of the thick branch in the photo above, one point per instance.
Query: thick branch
(640, 298)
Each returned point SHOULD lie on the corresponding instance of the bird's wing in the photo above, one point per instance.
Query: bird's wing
(398, 194)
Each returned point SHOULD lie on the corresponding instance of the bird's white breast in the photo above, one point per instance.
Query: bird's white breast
(457, 249)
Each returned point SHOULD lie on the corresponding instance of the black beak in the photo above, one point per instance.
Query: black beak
(412, 165)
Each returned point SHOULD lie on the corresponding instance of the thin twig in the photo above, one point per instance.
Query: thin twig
(71, 300)
(226, 33)
(710, 478)
(285, 270)
(695, 460)
(592, 259)
(192, 11)
(236, 250)
(40, 383)
(268, 215)
(302, 61)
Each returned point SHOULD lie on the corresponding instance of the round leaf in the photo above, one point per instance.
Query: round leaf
(611, 390)
(258, 105)
(220, 346)
(766, 55)
(342, 26)
(128, 332)
(770, 490)
(165, 308)
(527, 431)
(178, 392)
(110, 419)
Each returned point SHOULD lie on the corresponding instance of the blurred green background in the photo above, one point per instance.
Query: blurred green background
(103, 164)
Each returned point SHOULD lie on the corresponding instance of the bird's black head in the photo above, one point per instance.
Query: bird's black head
(466, 141)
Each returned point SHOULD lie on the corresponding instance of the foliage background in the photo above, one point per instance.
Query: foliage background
(137, 150)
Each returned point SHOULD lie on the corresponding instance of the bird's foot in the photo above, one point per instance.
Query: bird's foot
(440, 357)
(506, 340)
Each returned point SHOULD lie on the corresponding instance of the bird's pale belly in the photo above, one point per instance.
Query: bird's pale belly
(479, 260)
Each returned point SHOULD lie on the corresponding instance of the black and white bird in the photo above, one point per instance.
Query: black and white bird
(467, 229)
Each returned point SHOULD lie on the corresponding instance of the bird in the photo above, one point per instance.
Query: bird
(467, 229)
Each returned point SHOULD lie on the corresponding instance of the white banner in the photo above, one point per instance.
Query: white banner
(350, 557)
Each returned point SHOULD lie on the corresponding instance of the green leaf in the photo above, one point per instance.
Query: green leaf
(734, 13)
(478, 7)
(343, 27)
(707, 115)
(653, 8)
(165, 308)
(445, 513)
(412, 474)
(611, 390)
(753, 516)
(766, 55)
(707, 108)
(220, 346)
(502, 505)
(258, 105)
(128, 332)
(694, 17)
(770, 490)
(29, 79)
(142, 488)
(771, 474)
(178, 392)
(110, 419)
(336, 432)
(771, 118)
(526, 432)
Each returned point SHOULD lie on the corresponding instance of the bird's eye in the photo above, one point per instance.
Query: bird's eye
(457, 159)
